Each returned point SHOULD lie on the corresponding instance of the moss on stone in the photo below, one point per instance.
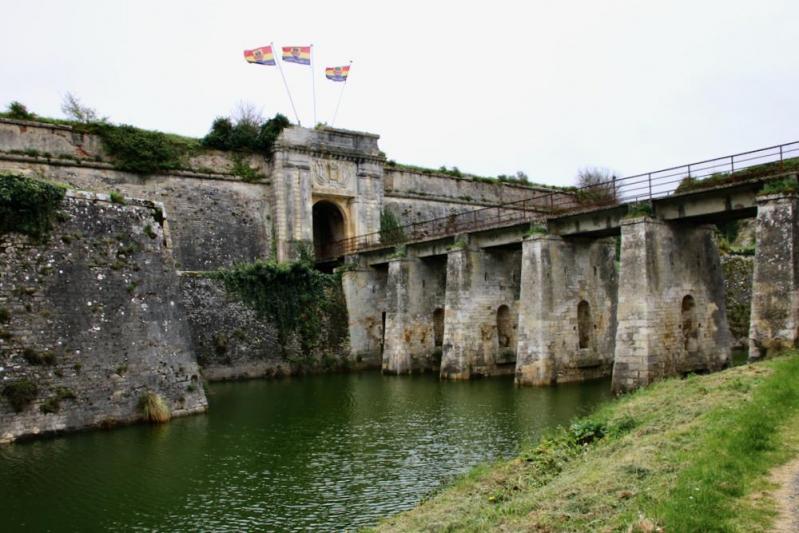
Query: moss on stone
(28, 205)
(20, 393)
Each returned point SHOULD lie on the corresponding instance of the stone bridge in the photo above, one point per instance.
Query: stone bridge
(622, 278)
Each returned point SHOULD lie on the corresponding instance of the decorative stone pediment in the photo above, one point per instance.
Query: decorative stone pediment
(333, 175)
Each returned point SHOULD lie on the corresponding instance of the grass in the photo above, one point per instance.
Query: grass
(723, 178)
(153, 408)
(682, 455)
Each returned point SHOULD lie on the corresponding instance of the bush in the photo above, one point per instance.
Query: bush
(783, 186)
(20, 393)
(596, 186)
(246, 134)
(153, 408)
(38, 358)
(391, 231)
(18, 111)
(117, 198)
(28, 206)
(140, 151)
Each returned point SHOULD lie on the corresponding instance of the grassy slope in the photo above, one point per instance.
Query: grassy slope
(685, 455)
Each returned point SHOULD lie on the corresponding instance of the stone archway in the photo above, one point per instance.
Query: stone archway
(329, 226)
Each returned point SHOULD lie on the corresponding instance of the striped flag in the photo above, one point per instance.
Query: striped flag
(297, 54)
(260, 56)
(337, 73)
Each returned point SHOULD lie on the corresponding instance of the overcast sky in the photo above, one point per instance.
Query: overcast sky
(491, 87)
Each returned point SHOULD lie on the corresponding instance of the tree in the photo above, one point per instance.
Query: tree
(73, 109)
(18, 111)
(597, 186)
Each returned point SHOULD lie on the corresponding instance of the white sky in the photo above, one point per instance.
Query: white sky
(491, 87)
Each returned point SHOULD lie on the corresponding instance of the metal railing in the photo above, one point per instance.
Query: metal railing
(754, 164)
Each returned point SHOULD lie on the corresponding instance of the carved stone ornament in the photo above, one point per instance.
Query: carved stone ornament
(331, 174)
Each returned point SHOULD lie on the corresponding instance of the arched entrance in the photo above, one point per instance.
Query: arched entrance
(329, 226)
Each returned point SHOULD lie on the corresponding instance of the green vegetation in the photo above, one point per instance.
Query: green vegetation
(293, 296)
(28, 205)
(245, 171)
(724, 178)
(246, 135)
(36, 358)
(641, 209)
(141, 151)
(536, 229)
(53, 404)
(17, 110)
(681, 455)
(117, 198)
(390, 228)
(520, 178)
(20, 393)
(153, 408)
(150, 232)
(783, 186)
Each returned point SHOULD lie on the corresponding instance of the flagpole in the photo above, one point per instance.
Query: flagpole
(285, 84)
(340, 95)
(313, 87)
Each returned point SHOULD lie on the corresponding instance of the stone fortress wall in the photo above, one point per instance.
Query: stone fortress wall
(92, 320)
(102, 327)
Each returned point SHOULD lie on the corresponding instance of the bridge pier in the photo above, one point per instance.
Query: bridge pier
(774, 323)
(567, 318)
(671, 312)
(482, 295)
(365, 294)
(414, 315)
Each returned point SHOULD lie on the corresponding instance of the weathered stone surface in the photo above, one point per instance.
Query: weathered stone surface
(671, 313)
(567, 319)
(95, 312)
(775, 282)
(478, 284)
(231, 341)
(415, 290)
(365, 293)
(737, 271)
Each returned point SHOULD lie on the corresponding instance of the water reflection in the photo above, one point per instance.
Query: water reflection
(326, 452)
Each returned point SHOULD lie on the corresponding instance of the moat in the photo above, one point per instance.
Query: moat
(322, 452)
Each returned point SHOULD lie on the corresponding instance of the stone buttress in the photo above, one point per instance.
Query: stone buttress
(671, 311)
(567, 316)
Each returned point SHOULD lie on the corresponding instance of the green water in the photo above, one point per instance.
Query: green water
(313, 453)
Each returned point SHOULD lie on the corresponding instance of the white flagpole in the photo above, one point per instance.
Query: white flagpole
(313, 87)
(340, 95)
(286, 85)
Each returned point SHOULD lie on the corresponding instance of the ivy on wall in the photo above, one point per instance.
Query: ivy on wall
(28, 205)
(294, 296)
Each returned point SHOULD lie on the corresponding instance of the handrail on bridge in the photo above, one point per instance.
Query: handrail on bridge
(636, 188)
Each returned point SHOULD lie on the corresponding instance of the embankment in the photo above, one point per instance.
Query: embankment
(682, 455)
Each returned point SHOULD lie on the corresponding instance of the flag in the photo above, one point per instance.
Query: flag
(297, 54)
(337, 73)
(261, 56)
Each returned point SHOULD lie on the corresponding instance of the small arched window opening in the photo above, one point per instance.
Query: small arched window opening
(584, 324)
(690, 326)
(438, 327)
(504, 327)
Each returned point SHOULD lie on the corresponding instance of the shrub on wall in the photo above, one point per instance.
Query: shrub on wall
(27, 205)
(293, 296)
(141, 151)
(390, 228)
(245, 135)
